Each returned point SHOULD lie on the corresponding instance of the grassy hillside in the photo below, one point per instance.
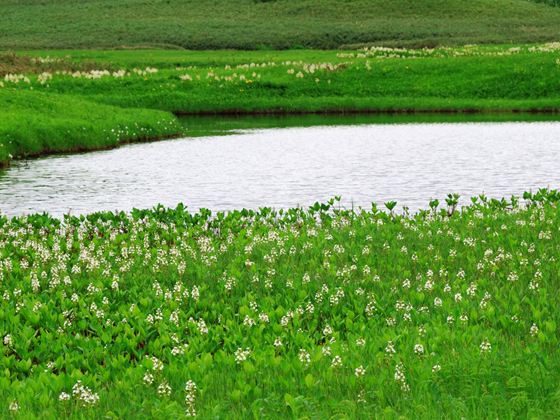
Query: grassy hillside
(277, 24)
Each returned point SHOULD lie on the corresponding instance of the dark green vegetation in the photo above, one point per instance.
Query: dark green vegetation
(215, 125)
(275, 24)
(63, 92)
(551, 2)
(319, 312)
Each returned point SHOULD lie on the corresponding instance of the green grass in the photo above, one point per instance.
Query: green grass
(277, 24)
(444, 79)
(37, 123)
(79, 111)
(104, 299)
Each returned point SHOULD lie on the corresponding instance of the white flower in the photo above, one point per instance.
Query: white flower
(64, 396)
(148, 378)
(436, 368)
(248, 321)
(84, 394)
(156, 363)
(362, 396)
(513, 276)
(14, 406)
(534, 330)
(304, 356)
(263, 317)
(190, 397)
(164, 389)
(178, 350)
(359, 371)
(336, 361)
(241, 355)
(419, 349)
(471, 291)
(485, 346)
(400, 377)
(391, 322)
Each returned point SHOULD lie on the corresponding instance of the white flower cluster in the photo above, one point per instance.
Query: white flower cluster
(359, 371)
(164, 389)
(485, 347)
(390, 348)
(242, 355)
(83, 394)
(304, 357)
(16, 78)
(190, 397)
(400, 377)
(534, 330)
(336, 362)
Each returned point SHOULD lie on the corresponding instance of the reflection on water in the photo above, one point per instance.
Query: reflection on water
(198, 125)
(284, 167)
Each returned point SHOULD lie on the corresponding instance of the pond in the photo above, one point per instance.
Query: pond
(251, 162)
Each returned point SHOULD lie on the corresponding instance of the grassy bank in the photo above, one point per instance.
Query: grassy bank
(37, 123)
(273, 24)
(134, 87)
(320, 312)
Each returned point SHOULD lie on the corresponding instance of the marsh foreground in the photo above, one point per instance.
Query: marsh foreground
(305, 312)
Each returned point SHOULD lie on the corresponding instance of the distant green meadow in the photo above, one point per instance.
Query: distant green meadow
(59, 101)
(273, 24)
(316, 312)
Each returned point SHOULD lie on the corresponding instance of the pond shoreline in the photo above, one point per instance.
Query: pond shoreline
(287, 113)
(50, 152)
(227, 164)
(372, 111)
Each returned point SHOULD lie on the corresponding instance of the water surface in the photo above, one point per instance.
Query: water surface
(281, 167)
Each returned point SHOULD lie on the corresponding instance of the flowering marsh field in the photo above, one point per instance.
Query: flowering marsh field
(79, 100)
(312, 312)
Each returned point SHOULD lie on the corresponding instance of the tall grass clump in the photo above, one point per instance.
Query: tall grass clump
(315, 312)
